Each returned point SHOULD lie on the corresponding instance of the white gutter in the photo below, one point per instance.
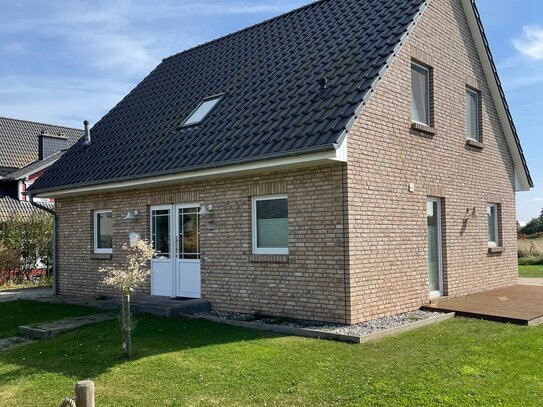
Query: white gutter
(307, 160)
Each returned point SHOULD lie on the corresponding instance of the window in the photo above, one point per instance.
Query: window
(160, 233)
(202, 110)
(472, 115)
(189, 233)
(420, 89)
(270, 225)
(103, 232)
(492, 211)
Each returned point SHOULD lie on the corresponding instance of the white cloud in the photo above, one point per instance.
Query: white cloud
(532, 43)
(538, 199)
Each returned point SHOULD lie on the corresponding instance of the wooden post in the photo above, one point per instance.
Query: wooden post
(84, 393)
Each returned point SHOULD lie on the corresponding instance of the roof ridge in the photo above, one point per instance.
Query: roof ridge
(44, 124)
(314, 3)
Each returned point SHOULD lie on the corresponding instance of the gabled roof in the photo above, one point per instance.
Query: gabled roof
(19, 141)
(274, 103)
(34, 167)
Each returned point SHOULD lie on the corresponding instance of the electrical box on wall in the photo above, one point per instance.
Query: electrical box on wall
(411, 187)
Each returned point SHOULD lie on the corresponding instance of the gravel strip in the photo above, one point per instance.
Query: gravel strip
(362, 329)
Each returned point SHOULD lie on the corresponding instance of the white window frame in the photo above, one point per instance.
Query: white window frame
(256, 249)
(428, 96)
(477, 114)
(496, 224)
(95, 227)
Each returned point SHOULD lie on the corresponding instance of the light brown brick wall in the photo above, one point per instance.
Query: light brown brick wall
(387, 224)
(311, 284)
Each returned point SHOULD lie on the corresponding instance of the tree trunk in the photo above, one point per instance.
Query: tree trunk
(127, 325)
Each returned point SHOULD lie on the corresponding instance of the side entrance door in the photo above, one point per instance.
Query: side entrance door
(435, 248)
(175, 235)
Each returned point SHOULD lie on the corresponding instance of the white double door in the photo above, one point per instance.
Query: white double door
(175, 235)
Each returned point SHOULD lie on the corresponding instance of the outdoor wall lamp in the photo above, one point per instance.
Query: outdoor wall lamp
(471, 213)
(206, 209)
(131, 215)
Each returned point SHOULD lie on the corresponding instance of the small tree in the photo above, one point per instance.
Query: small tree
(126, 279)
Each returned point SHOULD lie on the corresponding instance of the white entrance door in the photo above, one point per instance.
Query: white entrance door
(175, 235)
(162, 264)
(435, 248)
(187, 267)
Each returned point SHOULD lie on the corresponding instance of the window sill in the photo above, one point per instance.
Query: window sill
(101, 256)
(423, 128)
(268, 258)
(474, 143)
(496, 250)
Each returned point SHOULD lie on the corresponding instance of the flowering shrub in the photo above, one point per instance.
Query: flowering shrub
(126, 279)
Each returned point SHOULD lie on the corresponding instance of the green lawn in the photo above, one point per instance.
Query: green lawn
(530, 271)
(180, 362)
(21, 312)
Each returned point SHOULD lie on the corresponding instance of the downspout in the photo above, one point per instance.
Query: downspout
(54, 214)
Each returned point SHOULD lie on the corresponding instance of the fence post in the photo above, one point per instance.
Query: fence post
(84, 393)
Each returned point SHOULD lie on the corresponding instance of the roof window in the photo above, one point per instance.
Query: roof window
(201, 112)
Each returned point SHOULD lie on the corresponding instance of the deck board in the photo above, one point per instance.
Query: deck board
(520, 304)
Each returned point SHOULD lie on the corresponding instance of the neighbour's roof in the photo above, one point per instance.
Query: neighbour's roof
(273, 103)
(19, 141)
(11, 207)
(34, 167)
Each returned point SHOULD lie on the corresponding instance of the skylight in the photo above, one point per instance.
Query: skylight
(202, 111)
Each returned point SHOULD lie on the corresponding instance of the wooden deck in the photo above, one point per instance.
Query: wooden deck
(520, 304)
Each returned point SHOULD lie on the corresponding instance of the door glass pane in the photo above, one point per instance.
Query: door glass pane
(272, 223)
(189, 233)
(160, 233)
(420, 88)
(433, 245)
(472, 111)
(105, 230)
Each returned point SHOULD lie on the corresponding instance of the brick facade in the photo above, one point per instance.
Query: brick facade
(308, 283)
(387, 224)
(357, 237)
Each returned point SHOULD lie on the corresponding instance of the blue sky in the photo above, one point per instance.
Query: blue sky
(66, 61)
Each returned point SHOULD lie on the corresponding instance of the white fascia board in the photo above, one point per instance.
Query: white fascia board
(523, 183)
(301, 161)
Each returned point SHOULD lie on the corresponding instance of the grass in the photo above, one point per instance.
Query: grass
(189, 362)
(530, 271)
(22, 312)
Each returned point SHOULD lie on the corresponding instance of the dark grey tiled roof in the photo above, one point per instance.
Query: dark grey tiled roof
(272, 106)
(10, 207)
(34, 167)
(19, 141)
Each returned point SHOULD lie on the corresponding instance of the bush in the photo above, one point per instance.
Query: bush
(530, 261)
(26, 248)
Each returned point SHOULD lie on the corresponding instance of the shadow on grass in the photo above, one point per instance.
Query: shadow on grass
(93, 350)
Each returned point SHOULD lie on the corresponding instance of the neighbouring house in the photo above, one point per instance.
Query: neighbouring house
(347, 160)
(27, 149)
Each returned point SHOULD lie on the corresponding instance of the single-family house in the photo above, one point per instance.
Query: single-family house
(347, 160)
(27, 149)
